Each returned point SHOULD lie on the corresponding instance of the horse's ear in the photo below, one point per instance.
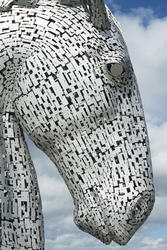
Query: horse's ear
(4, 4)
(98, 13)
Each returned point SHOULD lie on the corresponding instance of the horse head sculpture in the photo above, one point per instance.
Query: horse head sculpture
(67, 81)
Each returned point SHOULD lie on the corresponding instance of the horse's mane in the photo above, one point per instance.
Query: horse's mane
(6, 4)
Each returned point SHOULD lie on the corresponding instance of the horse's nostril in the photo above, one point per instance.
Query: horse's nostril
(142, 209)
(137, 213)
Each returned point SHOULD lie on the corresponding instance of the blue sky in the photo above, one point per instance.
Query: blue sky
(144, 26)
(159, 6)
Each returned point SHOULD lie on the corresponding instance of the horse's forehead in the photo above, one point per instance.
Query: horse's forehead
(97, 43)
(97, 39)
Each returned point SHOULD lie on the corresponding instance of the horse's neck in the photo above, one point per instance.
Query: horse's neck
(19, 191)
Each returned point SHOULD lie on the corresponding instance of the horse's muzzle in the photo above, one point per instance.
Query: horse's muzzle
(108, 225)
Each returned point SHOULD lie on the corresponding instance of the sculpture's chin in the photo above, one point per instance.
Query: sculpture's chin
(107, 239)
(122, 240)
(106, 242)
(119, 240)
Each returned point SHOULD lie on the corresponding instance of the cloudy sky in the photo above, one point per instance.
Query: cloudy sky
(144, 25)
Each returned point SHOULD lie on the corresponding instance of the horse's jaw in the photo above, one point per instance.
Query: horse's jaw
(108, 213)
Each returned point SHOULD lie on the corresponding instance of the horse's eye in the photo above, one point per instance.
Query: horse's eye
(115, 69)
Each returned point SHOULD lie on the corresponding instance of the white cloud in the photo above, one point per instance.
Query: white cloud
(159, 213)
(158, 142)
(50, 187)
(148, 243)
(55, 195)
(159, 147)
